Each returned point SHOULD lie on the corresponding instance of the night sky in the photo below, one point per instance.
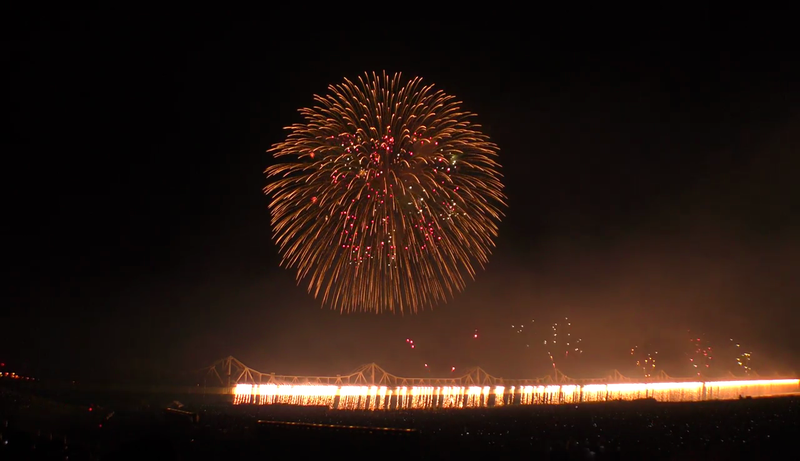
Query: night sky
(651, 167)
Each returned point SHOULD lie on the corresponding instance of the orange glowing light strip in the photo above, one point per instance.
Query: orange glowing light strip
(420, 397)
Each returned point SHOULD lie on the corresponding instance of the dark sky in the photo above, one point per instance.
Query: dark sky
(650, 165)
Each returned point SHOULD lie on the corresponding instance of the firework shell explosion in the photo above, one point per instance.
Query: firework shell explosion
(389, 197)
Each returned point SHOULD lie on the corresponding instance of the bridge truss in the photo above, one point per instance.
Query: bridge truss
(229, 372)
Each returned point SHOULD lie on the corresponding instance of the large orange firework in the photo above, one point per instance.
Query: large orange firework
(390, 196)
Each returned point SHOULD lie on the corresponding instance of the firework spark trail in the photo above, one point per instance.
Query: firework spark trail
(390, 198)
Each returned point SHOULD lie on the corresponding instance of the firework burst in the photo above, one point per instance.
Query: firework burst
(700, 353)
(743, 358)
(562, 345)
(390, 198)
(644, 360)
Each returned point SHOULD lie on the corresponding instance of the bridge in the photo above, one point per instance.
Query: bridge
(229, 372)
